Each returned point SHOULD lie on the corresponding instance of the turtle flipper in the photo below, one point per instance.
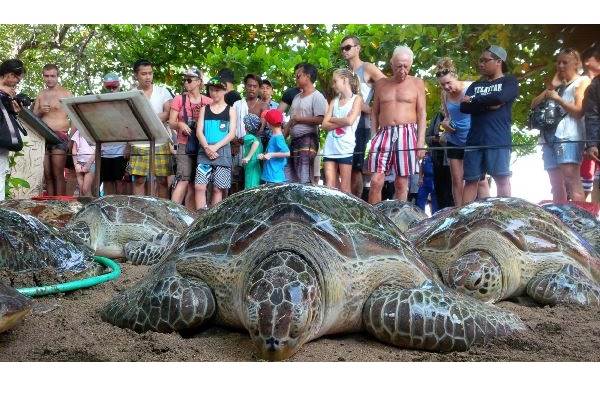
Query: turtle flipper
(567, 285)
(163, 302)
(433, 318)
(148, 253)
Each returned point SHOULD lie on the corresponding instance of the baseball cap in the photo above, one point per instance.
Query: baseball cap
(217, 82)
(193, 71)
(111, 77)
(266, 82)
(498, 51)
(274, 117)
(251, 123)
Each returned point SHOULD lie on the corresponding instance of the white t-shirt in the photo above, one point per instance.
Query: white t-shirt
(571, 128)
(340, 142)
(160, 95)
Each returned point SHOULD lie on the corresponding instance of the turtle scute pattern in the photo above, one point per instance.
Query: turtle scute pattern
(34, 254)
(52, 212)
(291, 263)
(139, 228)
(501, 248)
(579, 220)
(402, 213)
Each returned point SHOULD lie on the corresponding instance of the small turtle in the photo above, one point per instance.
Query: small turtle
(291, 263)
(136, 227)
(402, 213)
(13, 307)
(578, 219)
(53, 212)
(500, 248)
(34, 254)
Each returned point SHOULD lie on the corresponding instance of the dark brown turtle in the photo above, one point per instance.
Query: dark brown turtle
(291, 263)
(52, 212)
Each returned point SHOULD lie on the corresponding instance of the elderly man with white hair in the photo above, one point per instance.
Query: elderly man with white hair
(398, 122)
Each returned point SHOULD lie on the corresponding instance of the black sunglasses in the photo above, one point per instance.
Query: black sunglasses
(189, 80)
(442, 72)
(347, 47)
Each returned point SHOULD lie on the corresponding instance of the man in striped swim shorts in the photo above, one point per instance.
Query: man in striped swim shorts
(398, 122)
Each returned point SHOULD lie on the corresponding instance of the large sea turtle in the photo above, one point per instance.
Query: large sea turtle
(13, 307)
(402, 213)
(291, 263)
(35, 254)
(136, 227)
(500, 248)
(578, 219)
(53, 212)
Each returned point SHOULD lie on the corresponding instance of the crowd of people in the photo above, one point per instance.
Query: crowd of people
(224, 142)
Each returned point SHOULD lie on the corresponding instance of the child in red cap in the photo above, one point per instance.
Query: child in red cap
(277, 151)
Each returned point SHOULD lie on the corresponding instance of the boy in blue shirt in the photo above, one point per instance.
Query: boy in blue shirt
(277, 151)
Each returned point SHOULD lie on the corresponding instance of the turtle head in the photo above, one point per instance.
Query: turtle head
(476, 274)
(282, 304)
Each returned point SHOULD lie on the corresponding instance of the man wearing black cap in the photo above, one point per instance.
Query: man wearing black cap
(489, 101)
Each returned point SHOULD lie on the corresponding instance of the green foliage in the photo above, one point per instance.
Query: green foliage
(86, 52)
(12, 182)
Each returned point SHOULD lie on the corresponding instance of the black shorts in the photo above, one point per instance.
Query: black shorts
(456, 153)
(112, 168)
(344, 160)
(358, 158)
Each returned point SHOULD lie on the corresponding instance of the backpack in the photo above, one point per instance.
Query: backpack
(547, 115)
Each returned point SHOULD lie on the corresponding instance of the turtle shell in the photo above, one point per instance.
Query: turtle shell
(143, 210)
(32, 253)
(529, 227)
(402, 213)
(53, 212)
(349, 224)
(579, 220)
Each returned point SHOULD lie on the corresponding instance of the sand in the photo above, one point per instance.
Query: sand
(68, 327)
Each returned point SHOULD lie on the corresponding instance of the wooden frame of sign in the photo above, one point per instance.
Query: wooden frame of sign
(117, 117)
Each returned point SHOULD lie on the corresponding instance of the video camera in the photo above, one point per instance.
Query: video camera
(22, 100)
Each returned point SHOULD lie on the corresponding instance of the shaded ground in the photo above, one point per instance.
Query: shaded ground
(68, 328)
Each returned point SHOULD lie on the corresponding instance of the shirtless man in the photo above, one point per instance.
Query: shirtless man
(367, 74)
(47, 107)
(398, 123)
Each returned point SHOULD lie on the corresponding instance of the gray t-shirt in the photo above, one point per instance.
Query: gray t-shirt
(313, 105)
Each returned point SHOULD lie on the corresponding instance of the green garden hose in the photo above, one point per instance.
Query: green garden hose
(78, 284)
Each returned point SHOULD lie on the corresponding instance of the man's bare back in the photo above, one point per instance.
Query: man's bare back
(48, 107)
(398, 100)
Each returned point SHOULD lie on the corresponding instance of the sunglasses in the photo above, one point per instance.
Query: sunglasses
(442, 72)
(111, 86)
(347, 47)
(189, 80)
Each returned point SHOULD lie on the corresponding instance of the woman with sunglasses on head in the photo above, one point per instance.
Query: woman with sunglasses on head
(185, 111)
(341, 120)
(563, 149)
(456, 126)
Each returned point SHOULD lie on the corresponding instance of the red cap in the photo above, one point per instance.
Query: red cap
(274, 117)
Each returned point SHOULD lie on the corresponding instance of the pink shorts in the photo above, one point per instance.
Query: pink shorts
(394, 148)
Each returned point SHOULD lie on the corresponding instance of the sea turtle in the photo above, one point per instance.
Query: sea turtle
(291, 263)
(53, 212)
(578, 219)
(35, 254)
(13, 307)
(402, 213)
(136, 227)
(500, 248)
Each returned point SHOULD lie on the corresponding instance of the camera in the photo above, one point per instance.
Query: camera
(192, 124)
(22, 100)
